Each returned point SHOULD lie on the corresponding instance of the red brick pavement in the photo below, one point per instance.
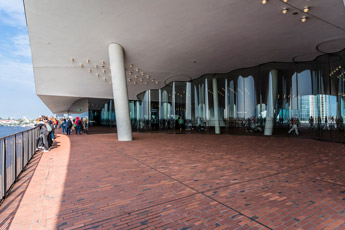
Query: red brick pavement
(166, 181)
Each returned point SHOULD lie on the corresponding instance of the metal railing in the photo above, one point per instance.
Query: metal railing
(16, 150)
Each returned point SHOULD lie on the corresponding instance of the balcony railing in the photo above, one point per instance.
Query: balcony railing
(16, 150)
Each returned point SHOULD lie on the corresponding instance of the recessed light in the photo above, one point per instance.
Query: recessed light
(306, 9)
(304, 19)
(264, 2)
(81, 65)
(72, 59)
(284, 10)
(90, 70)
(131, 66)
(96, 66)
(87, 61)
(285, 0)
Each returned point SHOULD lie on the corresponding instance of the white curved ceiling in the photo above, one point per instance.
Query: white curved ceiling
(164, 38)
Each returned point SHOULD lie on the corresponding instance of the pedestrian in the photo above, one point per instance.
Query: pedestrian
(78, 124)
(64, 126)
(69, 126)
(294, 123)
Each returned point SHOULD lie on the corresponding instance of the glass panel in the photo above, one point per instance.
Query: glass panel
(10, 148)
(19, 152)
(26, 148)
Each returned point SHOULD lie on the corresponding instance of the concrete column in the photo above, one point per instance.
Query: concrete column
(271, 101)
(215, 106)
(118, 77)
(188, 101)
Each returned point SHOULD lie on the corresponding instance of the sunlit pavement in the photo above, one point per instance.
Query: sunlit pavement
(180, 181)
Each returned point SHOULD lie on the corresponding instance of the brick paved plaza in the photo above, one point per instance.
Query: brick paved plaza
(171, 181)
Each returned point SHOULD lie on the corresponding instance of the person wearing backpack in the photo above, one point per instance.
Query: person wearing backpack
(69, 126)
(78, 125)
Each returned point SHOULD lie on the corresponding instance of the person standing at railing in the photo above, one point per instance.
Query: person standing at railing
(49, 128)
(43, 138)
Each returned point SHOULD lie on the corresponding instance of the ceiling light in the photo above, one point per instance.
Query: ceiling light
(156, 82)
(96, 66)
(110, 83)
(285, 0)
(135, 76)
(103, 71)
(140, 79)
(147, 76)
(284, 10)
(97, 74)
(304, 19)
(87, 61)
(81, 65)
(131, 66)
(145, 82)
(104, 79)
(72, 59)
(129, 79)
(103, 62)
(306, 9)
(134, 82)
(90, 70)
(264, 2)
(130, 73)
(142, 74)
(136, 69)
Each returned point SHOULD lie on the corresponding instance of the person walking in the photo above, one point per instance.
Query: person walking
(78, 124)
(294, 123)
(64, 126)
(69, 126)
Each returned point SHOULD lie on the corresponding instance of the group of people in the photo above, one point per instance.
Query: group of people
(79, 125)
(46, 135)
(48, 125)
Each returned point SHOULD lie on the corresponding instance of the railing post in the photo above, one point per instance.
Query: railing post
(3, 167)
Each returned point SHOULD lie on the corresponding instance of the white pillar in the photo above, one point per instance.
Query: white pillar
(118, 76)
(188, 102)
(271, 101)
(215, 106)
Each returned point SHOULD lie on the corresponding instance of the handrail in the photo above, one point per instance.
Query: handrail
(17, 132)
(16, 151)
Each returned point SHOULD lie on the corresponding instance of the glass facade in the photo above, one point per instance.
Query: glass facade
(267, 99)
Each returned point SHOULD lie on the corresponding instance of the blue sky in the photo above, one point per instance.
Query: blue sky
(17, 89)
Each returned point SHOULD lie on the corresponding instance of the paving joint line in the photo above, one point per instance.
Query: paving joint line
(197, 191)
(138, 210)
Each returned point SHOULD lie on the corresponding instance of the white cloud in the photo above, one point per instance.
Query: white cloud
(16, 72)
(21, 45)
(12, 13)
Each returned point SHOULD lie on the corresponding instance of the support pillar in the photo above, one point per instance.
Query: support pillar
(118, 76)
(271, 101)
(215, 106)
